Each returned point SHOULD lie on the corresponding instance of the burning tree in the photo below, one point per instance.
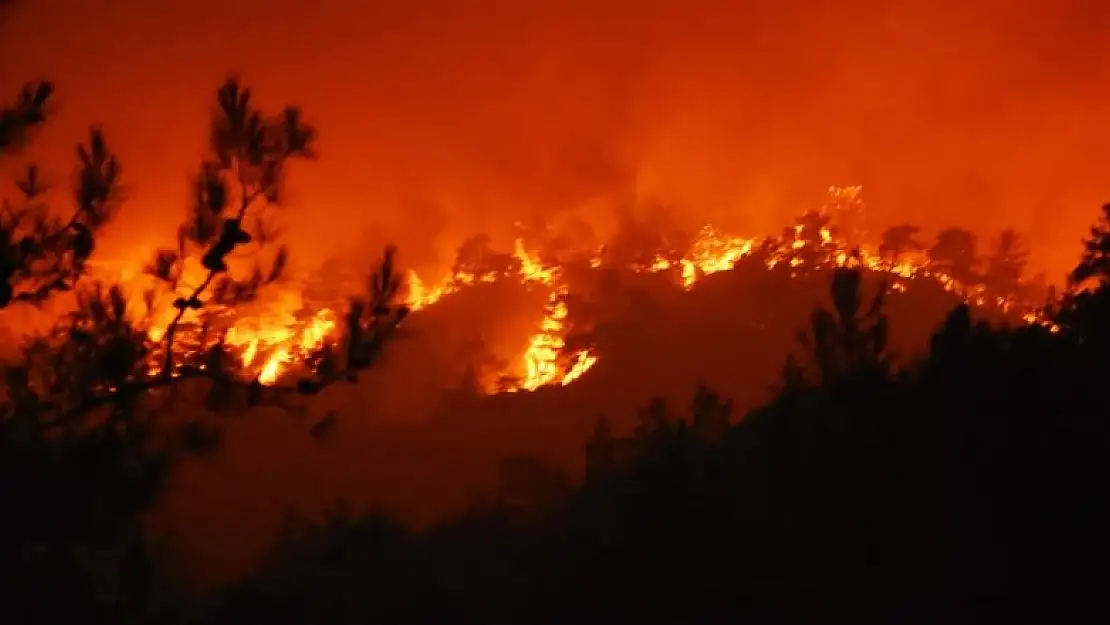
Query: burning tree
(102, 358)
(249, 153)
(810, 240)
(476, 259)
(644, 241)
(898, 241)
(240, 180)
(80, 412)
(847, 212)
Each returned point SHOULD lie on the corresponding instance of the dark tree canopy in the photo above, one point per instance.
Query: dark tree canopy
(1094, 264)
(244, 174)
(816, 231)
(84, 445)
(966, 485)
(898, 240)
(954, 253)
(40, 253)
(847, 340)
(1006, 264)
(646, 234)
(28, 112)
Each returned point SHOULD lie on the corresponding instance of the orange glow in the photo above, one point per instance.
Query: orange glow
(982, 115)
(544, 364)
(274, 337)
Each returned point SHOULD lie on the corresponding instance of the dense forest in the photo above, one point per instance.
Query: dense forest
(963, 482)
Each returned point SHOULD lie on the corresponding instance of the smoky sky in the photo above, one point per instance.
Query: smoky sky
(439, 118)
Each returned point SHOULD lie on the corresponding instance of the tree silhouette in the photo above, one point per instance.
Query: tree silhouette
(477, 260)
(242, 178)
(373, 320)
(76, 473)
(76, 413)
(28, 112)
(710, 414)
(862, 498)
(1006, 264)
(810, 240)
(41, 254)
(898, 240)
(856, 496)
(74, 418)
(243, 175)
(1038, 291)
(646, 235)
(842, 343)
(601, 451)
(954, 254)
(1094, 264)
(1086, 303)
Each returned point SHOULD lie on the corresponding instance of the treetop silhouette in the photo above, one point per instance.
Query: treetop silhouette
(41, 254)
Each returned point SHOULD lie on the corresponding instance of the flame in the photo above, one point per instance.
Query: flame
(541, 358)
(265, 339)
(277, 336)
(281, 338)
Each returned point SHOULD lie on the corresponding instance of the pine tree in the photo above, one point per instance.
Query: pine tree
(1094, 264)
(954, 254)
(1006, 265)
(41, 254)
(28, 112)
(842, 342)
(245, 173)
(898, 240)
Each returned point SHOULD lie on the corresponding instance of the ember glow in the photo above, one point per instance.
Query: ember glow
(275, 338)
(268, 338)
(270, 347)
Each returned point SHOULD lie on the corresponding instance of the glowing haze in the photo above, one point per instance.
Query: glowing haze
(442, 118)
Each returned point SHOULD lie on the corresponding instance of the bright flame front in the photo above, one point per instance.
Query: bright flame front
(273, 339)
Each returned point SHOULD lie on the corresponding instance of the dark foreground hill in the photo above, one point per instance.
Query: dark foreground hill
(964, 489)
(404, 444)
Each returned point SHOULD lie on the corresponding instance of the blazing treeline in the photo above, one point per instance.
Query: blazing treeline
(739, 499)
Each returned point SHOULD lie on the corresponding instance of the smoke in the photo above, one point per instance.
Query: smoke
(439, 119)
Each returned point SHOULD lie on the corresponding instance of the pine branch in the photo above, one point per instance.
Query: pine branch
(27, 113)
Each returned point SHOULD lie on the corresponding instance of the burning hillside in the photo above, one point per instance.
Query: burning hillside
(221, 304)
(284, 333)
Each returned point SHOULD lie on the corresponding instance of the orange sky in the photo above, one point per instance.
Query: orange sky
(440, 118)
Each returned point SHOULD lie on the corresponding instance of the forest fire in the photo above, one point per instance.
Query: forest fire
(501, 311)
(267, 337)
(272, 347)
(192, 311)
(273, 339)
(541, 363)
